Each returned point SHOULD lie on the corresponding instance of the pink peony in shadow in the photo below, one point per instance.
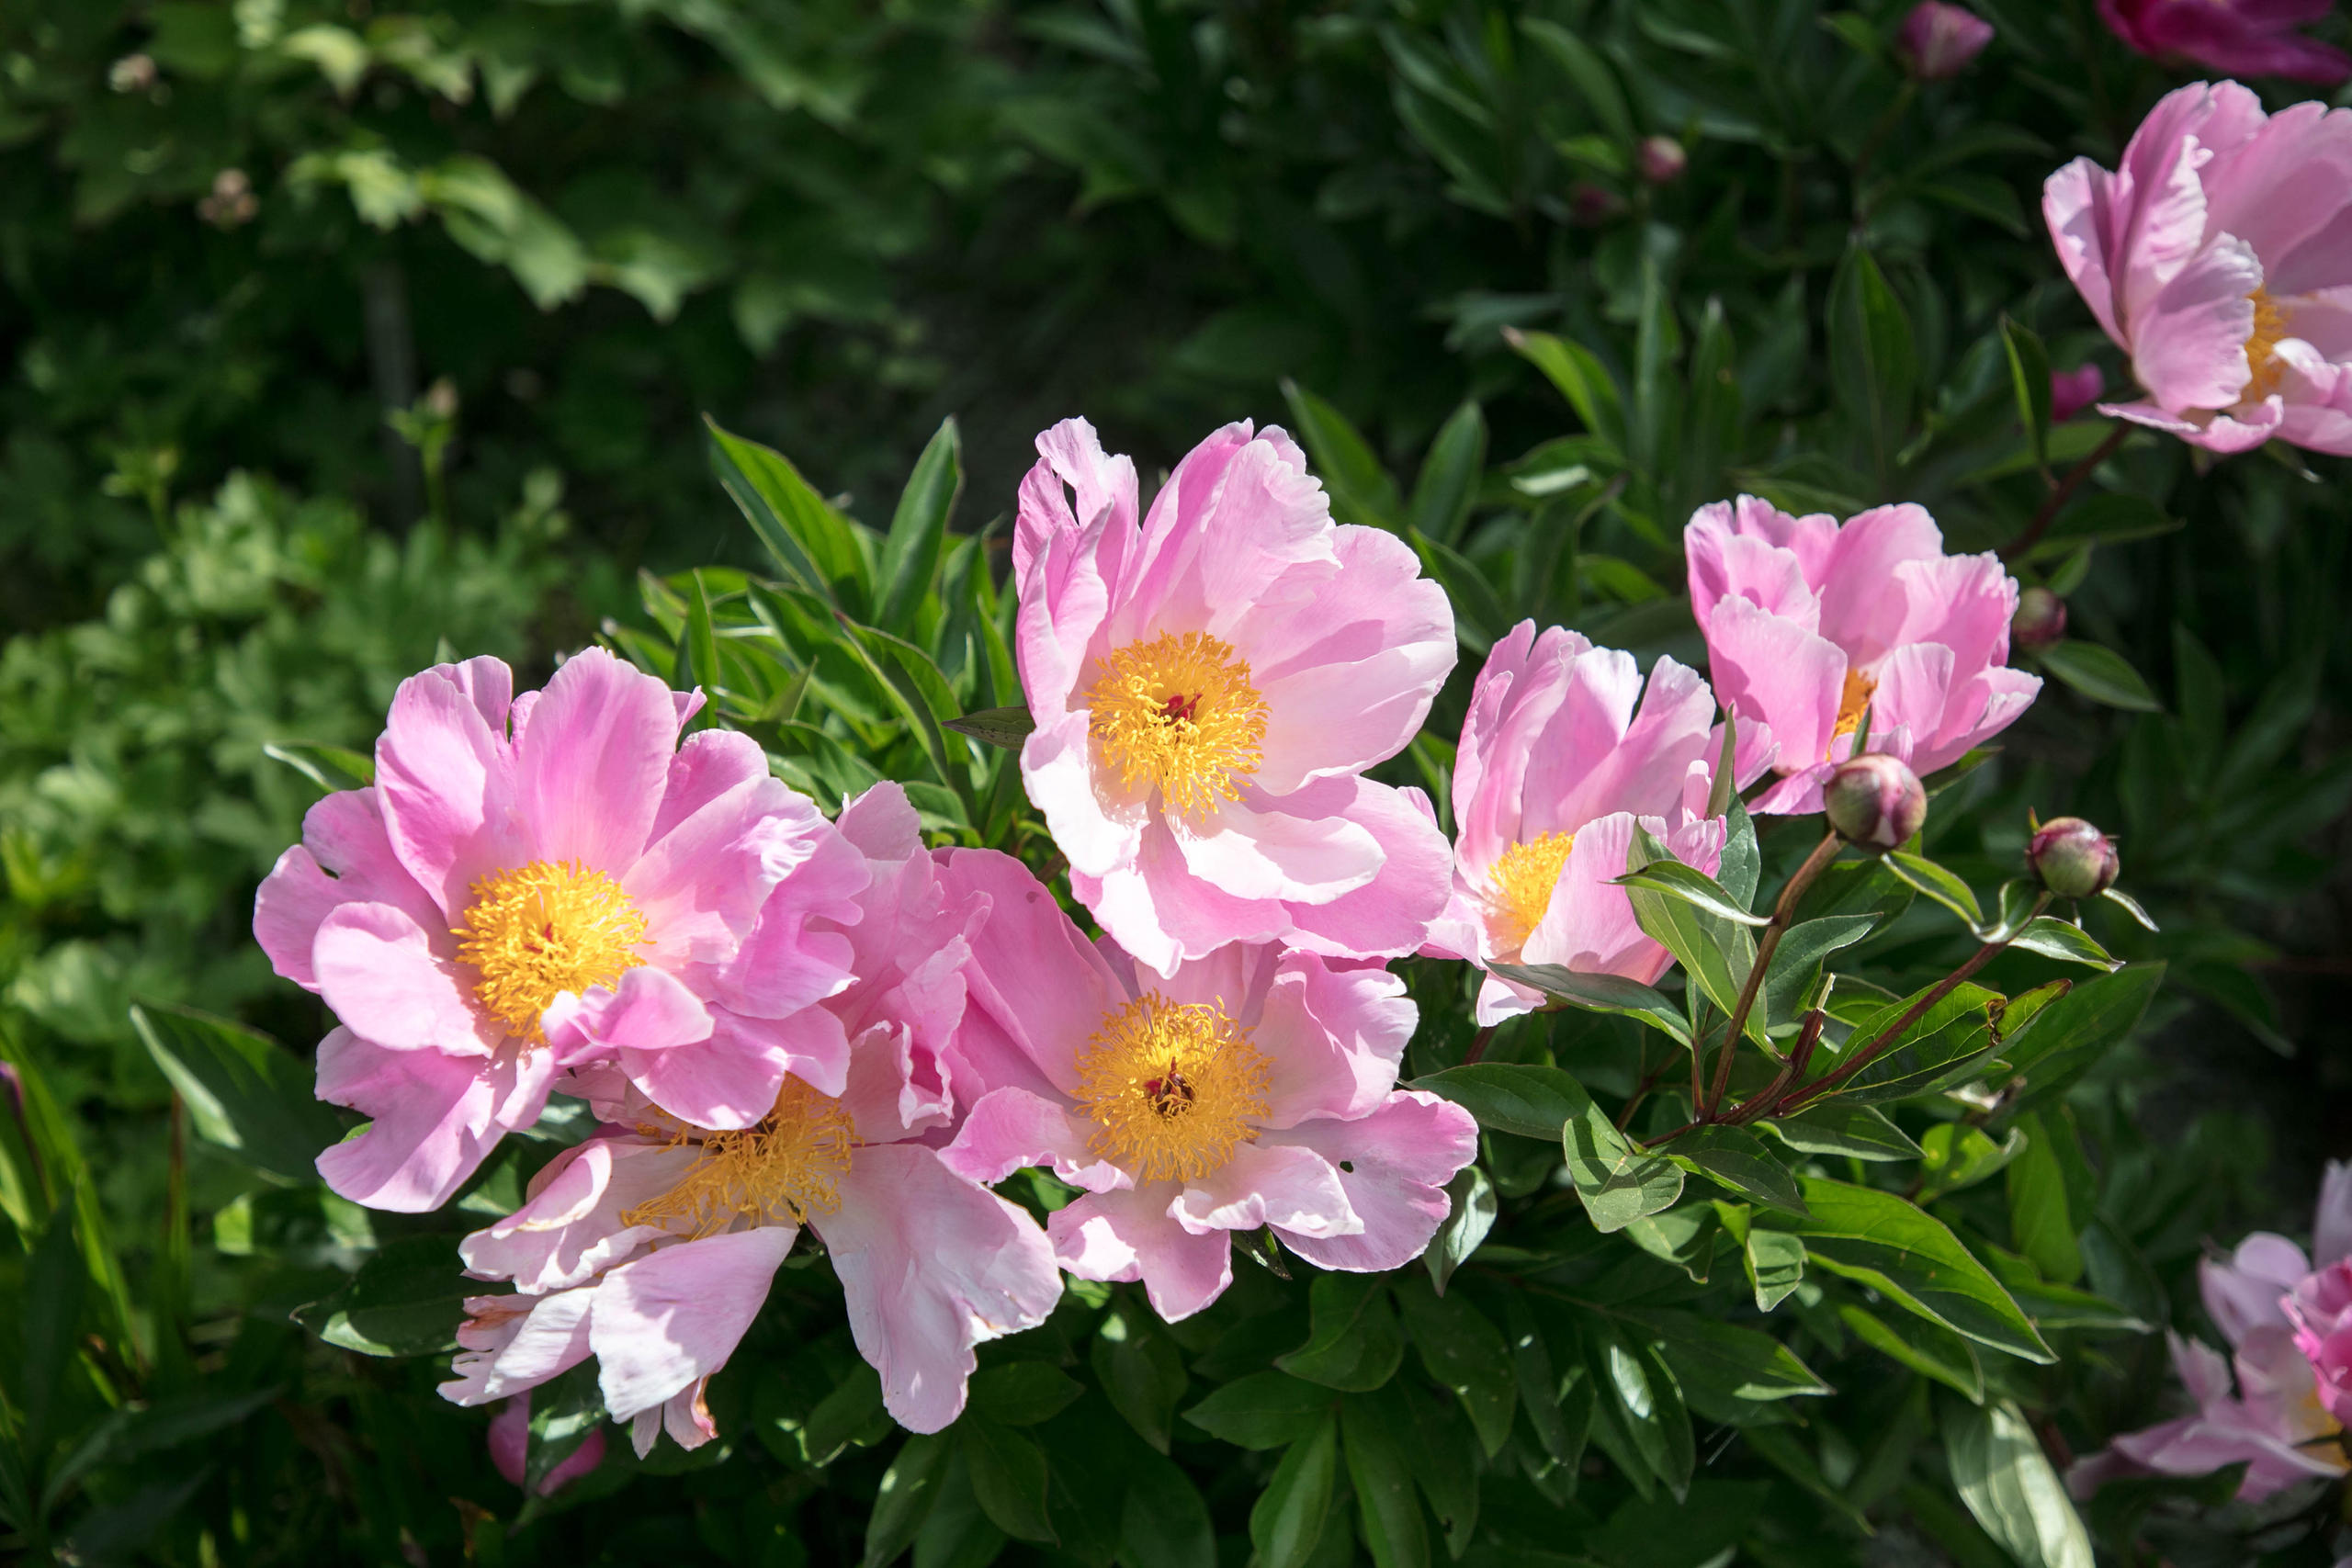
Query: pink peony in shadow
(1817, 630)
(2217, 254)
(1209, 685)
(1255, 1086)
(537, 881)
(2234, 38)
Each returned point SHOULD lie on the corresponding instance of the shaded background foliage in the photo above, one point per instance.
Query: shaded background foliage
(234, 236)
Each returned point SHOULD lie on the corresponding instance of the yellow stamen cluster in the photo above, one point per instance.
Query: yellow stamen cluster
(779, 1172)
(1852, 702)
(2263, 368)
(1180, 712)
(546, 928)
(1172, 1087)
(1520, 886)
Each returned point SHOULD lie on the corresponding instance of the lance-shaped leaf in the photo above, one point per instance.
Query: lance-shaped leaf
(1007, 727)
(1602, 993)
(1842, 1127)
(1924, 876)
(1694, 886)
(1735, 1158)
(2011, 1487)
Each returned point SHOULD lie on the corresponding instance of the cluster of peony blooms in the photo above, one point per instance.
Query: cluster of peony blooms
(783, 1021)
(2288, 1317)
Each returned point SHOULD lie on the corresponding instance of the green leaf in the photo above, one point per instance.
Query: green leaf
(1685, 1237)
(2041, 1221)
(1164, 1522)
(1738, 1363)
(242, 1091)
(1359, 487)
(1021, 1393)
(1539, 1388)
(2111, 517)
(1959, 1156)
(55, 1280)
(808, 539)
(2030, 379)
(1287, 1520)
(1511, 1097)
(910, 549)
(329, 767)
(1872, 362)
(1618, 1180)
(1463, 1350)
(1715, 953)
(565, 1412)
(1601, 993)
(1843, 1127)
(1927, 1347)
(1378, 1465)
(1448, 486)
(1140, 1370)
(407, 1300)
(844, 1416)
(956, 1533)
(698, 663)
(1640, 1408)
(1581, 379)
(1694, 887)
(1804, 947)
(1008, 728)
(1908, 1256)
(1354, 1343)
(1479, 617)
(2099, 674)
(1591, 74)
(1471, 1208)
(2066, 942)
(1924, 876)
(904, 1498)
(1775, 1266)
(2010, 1486)
(2076, 1030)
(1735, 1158)
(1263, 1410)
(1944, 1046)
(1009, 1477)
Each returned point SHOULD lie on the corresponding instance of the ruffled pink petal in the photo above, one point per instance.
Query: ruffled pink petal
(1517, 690)
(433, 1118)
(512, 1344)
(1010, 1128)
(649, 1010)
(2076, 205)
(1773, 671)
(1332, 1037)
(2188, 341)
(1394, 1165)
(1251, 849)
(1857, 613)
(1591, 762)
(591, 770)
(1131, 1236)
(1727, 565)
(377, 969)
(2243, 1294)
(1240, 526)
(2332, 1227)
(1036, 975)
(794, 958)
(1097, 821)
(674, 1317)
(1291, 1188)
(445, 780)
(931, 1266)
(896, 1091)
(1393, 914)
(707, 765)
(702, 885)
(730, 1078)
(345, 857)
(571, 1227)
(1071, 455)
(683, 1416)
(1590, 926)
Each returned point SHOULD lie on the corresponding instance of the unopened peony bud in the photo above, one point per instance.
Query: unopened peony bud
(2071, 392)
(1591, 206)
(510, 1439)
(1937, 41)
(2071, 858)
(1875, 801)
(1660, 160)
(2041, 619)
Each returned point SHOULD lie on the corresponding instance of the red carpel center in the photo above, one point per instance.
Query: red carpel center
(1182, 708)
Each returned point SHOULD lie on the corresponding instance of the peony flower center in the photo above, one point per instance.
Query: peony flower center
(1852, 702)
(1522, 884)
(2264, 367)
(1172, 1087)
(543, 929)
(1180, 712)
(778, 1172)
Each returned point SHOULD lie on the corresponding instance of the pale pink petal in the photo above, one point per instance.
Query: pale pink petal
(1394, 1166)
(444, 781)
(931, 1266)
(591, 770)
(1332, 1039)
(1010, 1128)
(346, 856)
(1857, 613)
(377, 969)
(2332, 1227)
(1581, 770)
(1775, 671)
(1131, 1236)
(1096, 820)
(511, 1344)
(571, 1228)
(433, 1118)
(2243, 1294)
(789, 962)
(2076, 207)
(1251, 849)
(707, 766)
(730, 1078)
(648, 1009)
(2189, 343)
(1393, 914)
(1267, 1184)
(1590, 926)
(1042, 982)
(701, 886)
(674, 1315)
(510, 1439)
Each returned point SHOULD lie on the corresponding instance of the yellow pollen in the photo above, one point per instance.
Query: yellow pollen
(1852, 702)
(779, 1172)
(1181, 713)
(1172, 1087)
(2263, 366)
(546, 928)
(1522, 884)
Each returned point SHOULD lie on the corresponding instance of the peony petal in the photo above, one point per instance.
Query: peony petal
(345, 857)
(1775, 671)
(1289, 1187)
(1332, 1039)
(1394, 1166)
(1010, 1128)
(435, 1118)
(1041, 981)
(674, 1317)
(1131, 1236)
(377, 969)
(514, 1343)
(591, 770)
(444, 781)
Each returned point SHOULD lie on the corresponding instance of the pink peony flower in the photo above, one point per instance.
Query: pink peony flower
(2285, 1323)
(1813, 627)
(1555, 769)
(651, 1246)
(2235, 38)
(1937, 41)
(2072, 391)
(542, 881)
(1208, 689)
(1256, 1087)
(509, 1440)
(2219, 256)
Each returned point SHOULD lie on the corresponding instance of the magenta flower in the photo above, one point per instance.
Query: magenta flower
(1253, 1088)
(1937, 41)
(1555, 769)
(2072, 391)
(2285, 1321)
(1208, 689)
(510, 1442)
(2218, 255)
(1813, 628)
(551, 879)
(2235, 37)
